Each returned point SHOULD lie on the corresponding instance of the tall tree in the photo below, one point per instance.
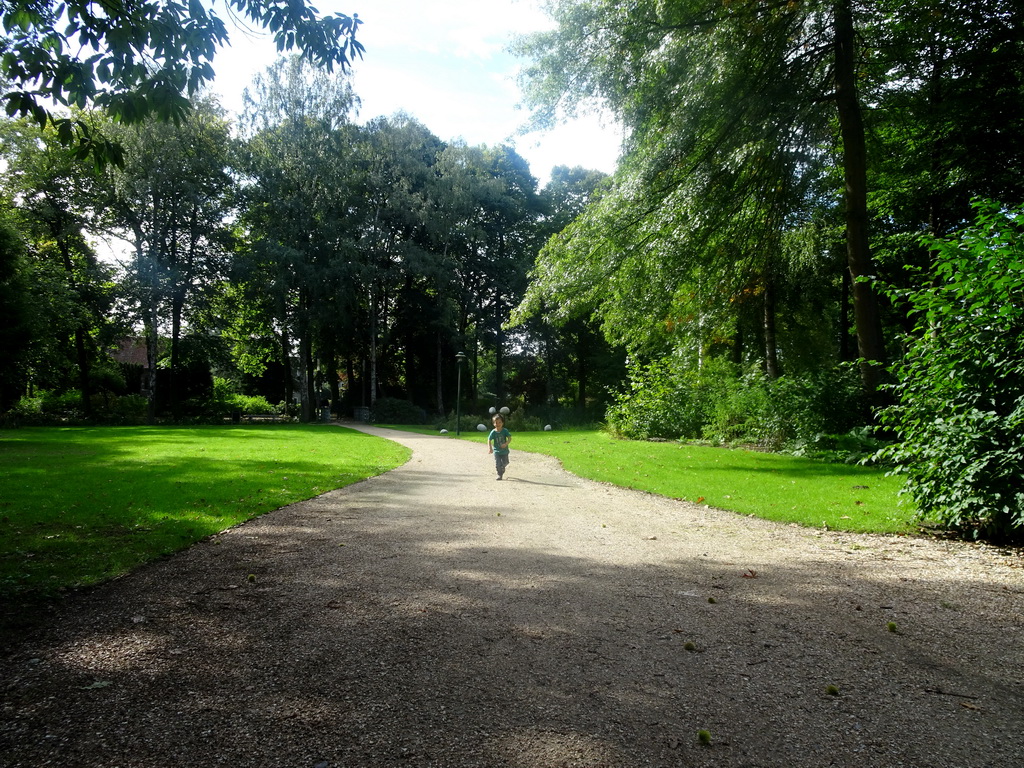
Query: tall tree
(571, 346)
(60, 200)
(170, 197)
(298, 202)
(723, 105)
(398, 155)
(15, 312)
(509, 220)
(948, 125)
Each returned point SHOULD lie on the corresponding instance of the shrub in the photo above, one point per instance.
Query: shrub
(225, 401)
(251, 405)
(568, 417)
(662, 401)
(468, 422)
(521, 421)
(959, 389)
(64, 403)
(27, 411)
(122, 409)
(825, 401)
(724, 404)
(47, 408)
(391, 410)
(740, 408)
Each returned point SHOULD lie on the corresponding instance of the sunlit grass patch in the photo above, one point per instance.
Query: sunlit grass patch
(80, 505)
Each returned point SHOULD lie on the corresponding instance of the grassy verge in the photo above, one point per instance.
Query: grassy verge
(82, 505)
(772, 486)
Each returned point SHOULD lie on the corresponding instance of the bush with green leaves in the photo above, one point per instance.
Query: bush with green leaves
(225, 401)
(798, 409)
(391, 410)
(568, 417)
(725, 404)
(467, 422)
(663, 400)
(740, 408)
(827, 406)
(28, 410)
(522, 421)
(959, 389)
(47, 407)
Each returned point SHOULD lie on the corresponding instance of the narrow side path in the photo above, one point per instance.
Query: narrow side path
(435, 617)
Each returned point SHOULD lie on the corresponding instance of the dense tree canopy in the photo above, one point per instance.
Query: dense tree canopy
(59, 201)
(138, 59)
(757, 133)
(170, 199)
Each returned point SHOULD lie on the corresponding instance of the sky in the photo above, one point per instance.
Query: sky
(445, 63)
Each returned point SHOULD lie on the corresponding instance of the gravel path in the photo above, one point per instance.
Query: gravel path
(435, 617)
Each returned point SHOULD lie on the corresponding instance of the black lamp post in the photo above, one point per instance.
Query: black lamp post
(461, 358)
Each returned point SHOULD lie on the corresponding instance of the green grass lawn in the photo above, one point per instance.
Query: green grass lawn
(773, 486)
(81, 505)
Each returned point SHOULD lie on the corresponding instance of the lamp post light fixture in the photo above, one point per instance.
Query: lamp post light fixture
(460, 358)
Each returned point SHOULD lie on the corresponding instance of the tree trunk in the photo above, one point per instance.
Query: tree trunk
(440, 376)
(173, 382)
(373, 347)
(771, 343)
(286, 367)
(310, 400)
(858, 252)
(334, 385)
(936, 216)
(81, 332)
(307, 386)
(82, 352)
(353, 386)
(549, 368)
(151, 325)
(845, 352)
(582, 371)
(146, 269)
(499, 366)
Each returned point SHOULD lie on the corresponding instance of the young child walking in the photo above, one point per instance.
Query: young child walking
(497, 443)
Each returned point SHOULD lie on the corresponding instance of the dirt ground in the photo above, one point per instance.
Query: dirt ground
(435, 617)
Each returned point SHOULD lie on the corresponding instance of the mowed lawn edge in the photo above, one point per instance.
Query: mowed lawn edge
(82, 505)
(779, 487)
